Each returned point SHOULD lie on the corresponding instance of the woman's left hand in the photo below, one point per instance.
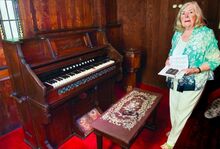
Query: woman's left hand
(190, 71)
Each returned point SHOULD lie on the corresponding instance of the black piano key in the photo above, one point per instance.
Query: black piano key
(82, 69)
(65, 76)
(59, 79)
(78, 71)
(87, 67)
(72, 73)
(94, 64)
(50, 82)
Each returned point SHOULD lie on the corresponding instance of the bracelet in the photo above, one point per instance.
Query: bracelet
(199, 69)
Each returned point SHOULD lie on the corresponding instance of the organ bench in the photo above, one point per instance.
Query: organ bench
(123, 121)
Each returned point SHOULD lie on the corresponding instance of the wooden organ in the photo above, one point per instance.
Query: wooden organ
(57, 77)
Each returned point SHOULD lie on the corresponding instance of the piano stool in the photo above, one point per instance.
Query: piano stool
(124, 120)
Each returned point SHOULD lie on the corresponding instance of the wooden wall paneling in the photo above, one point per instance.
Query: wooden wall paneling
(2, 56)
(26, 18)
(101, 13)
(159, 30)
(113, 26)
(151, 41)
(212, 17)
(49, 15)
(4, 74)
(131, 16)
(42, 15)
(114, 35)
(82, 13)
(8, 110)
(111, 12)
(53, 14)
(164, 40)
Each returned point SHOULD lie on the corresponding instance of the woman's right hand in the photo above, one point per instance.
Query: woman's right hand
(167, 61)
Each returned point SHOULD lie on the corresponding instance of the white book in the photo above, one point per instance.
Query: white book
(176, 67)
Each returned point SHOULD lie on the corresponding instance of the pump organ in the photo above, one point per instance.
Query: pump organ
(57, 77)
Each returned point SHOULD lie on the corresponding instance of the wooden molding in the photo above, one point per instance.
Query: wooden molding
(4, 74)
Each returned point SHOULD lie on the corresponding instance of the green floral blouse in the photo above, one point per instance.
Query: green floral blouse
(202, 47)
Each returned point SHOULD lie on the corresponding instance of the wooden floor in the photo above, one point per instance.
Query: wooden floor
(200, 132)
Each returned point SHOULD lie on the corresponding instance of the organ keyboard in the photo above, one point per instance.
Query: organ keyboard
(77, 71)
(57, 78)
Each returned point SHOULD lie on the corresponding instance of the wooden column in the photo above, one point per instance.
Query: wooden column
(132, 60)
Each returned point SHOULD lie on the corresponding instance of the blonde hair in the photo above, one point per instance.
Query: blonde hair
(199, 16)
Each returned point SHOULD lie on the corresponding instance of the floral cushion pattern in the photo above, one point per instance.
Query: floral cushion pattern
(213, 110)
(130, 109)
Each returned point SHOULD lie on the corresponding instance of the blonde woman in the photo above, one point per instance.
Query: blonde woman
(195, 40)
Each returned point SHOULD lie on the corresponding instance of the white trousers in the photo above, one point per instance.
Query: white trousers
(181, 107)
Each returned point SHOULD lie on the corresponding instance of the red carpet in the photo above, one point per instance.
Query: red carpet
(146, 140)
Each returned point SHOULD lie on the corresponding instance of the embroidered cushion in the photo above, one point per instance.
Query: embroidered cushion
(213, 110)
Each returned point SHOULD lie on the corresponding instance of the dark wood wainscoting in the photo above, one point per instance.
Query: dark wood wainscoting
(8, 111)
